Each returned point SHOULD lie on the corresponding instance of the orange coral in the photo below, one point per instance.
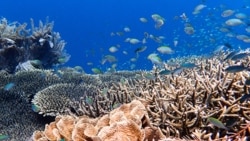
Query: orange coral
(51, 132)
(123, 123)
(84, 131)
(122, 131)
(65, 126)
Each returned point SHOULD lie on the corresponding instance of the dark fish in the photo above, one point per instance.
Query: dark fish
(239, 56)
(247, 82)
(235, 68)
(140, 49)
(244, 98)
(228, 45)
(231, 122)
(230, 55)
(217, 123)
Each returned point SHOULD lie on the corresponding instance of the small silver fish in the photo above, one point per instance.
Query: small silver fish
(247, 82)
(244, 98)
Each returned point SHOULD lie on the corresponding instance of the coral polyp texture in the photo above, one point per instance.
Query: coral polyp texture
(24, 49)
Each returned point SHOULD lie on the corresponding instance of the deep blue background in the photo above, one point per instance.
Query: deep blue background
(86, 26)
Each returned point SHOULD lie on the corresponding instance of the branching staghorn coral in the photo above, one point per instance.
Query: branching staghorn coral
(181, 104)
(18, 46)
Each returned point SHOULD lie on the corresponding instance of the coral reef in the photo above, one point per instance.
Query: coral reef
(181, 104)
(18, 47)
(16, 100)
(128, 122)
(207, 100)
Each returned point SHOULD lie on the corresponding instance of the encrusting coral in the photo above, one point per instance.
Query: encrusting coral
(128, 122)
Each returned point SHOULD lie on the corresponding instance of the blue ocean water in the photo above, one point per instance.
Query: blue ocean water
(87, 26)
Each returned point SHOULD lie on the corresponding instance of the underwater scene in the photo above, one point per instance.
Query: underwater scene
(153, 70)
